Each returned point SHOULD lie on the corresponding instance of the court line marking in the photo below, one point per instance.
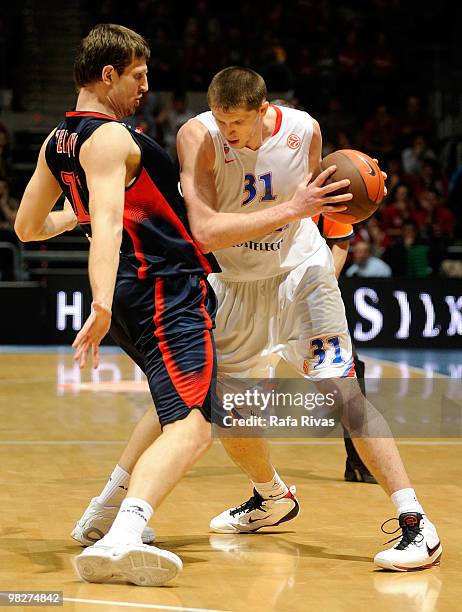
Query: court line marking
(46, 349)
(104, 602)
(400, 442)
(272, 442)
(60, 442)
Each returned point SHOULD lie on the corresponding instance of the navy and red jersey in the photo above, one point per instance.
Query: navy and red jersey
(333, 230)
(156, 236)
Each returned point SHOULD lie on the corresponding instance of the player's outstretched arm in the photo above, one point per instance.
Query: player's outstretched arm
(34, 220)
(214, 230)
(103, 157)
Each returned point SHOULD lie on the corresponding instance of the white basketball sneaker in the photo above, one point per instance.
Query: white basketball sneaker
(256, 513)
(135, 563)
(418, 548)
(96, 522)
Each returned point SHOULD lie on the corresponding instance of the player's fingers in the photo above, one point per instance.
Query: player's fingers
(324, 175)
(334, 186)
(95, 355)
(80, 351)
(78, 338)
(343, 197)
(308, 179)
(385, 191)
(78, 348)
(82, 333)
(331, 209)
(83, 358)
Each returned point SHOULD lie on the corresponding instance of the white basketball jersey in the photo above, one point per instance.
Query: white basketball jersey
(248, 180)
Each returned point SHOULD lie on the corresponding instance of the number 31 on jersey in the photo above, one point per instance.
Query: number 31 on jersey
(261, 187)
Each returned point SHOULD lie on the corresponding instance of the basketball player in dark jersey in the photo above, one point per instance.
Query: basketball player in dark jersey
(148, 279)
(338, 236)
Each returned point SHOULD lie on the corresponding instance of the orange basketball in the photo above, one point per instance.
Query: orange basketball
(367, 184)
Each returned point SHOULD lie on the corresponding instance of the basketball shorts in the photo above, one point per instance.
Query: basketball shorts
(165, 325)
(298, 316)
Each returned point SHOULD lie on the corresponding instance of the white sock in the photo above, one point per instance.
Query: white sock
(115, 489)
(273, 489)
(128, 525)
(405, 500)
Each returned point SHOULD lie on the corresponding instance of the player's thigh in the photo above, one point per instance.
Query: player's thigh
(170, 322)
(242, 326)
(318, 343)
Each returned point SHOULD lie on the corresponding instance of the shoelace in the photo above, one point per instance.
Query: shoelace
(254, 503)
(410, 534)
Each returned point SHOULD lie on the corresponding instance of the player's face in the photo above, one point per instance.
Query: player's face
(129, 87)
(240, 126)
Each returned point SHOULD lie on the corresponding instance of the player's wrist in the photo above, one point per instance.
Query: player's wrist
(292, 212)
(103, 306)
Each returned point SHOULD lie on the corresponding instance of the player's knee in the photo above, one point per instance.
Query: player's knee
(202, 433)
(204, 439)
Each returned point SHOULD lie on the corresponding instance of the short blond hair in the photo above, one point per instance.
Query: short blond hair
(237, 87)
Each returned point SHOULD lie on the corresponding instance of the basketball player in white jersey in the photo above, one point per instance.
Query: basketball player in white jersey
(277, 293)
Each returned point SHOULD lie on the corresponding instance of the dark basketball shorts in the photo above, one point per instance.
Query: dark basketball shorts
(165, 325)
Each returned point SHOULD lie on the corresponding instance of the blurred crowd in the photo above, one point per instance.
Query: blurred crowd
(8, 208)
(353, 68)
(350, 65)
(419, 220)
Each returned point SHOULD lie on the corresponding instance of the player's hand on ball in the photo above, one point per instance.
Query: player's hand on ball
(92, 333)
(313, 198)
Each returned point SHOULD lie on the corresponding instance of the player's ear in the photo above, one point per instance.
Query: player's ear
(107, 74)
(263, 108)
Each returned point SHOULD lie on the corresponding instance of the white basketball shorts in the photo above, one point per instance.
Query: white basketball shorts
(298, 316)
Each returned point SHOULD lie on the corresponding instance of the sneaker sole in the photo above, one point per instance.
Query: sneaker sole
(147, 537)
(142, 568)
(433, 561)
(288, 517)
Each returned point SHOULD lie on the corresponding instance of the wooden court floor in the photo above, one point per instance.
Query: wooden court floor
(61, 434)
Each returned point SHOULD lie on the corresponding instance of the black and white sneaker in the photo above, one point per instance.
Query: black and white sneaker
(256, 513)
(418, 548)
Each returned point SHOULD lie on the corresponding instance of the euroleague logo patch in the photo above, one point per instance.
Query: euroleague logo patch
(293, 141)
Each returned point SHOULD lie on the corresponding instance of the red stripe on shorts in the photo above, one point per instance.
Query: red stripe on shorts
(192, 387)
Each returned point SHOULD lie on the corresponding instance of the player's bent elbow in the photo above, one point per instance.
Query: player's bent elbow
(204, 240)
(205, 247)
(23, 232)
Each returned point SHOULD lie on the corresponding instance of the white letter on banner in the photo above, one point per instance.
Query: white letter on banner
(430, 330)
(65, 310)
(368, 312)
(403, 331)
(455, 306)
